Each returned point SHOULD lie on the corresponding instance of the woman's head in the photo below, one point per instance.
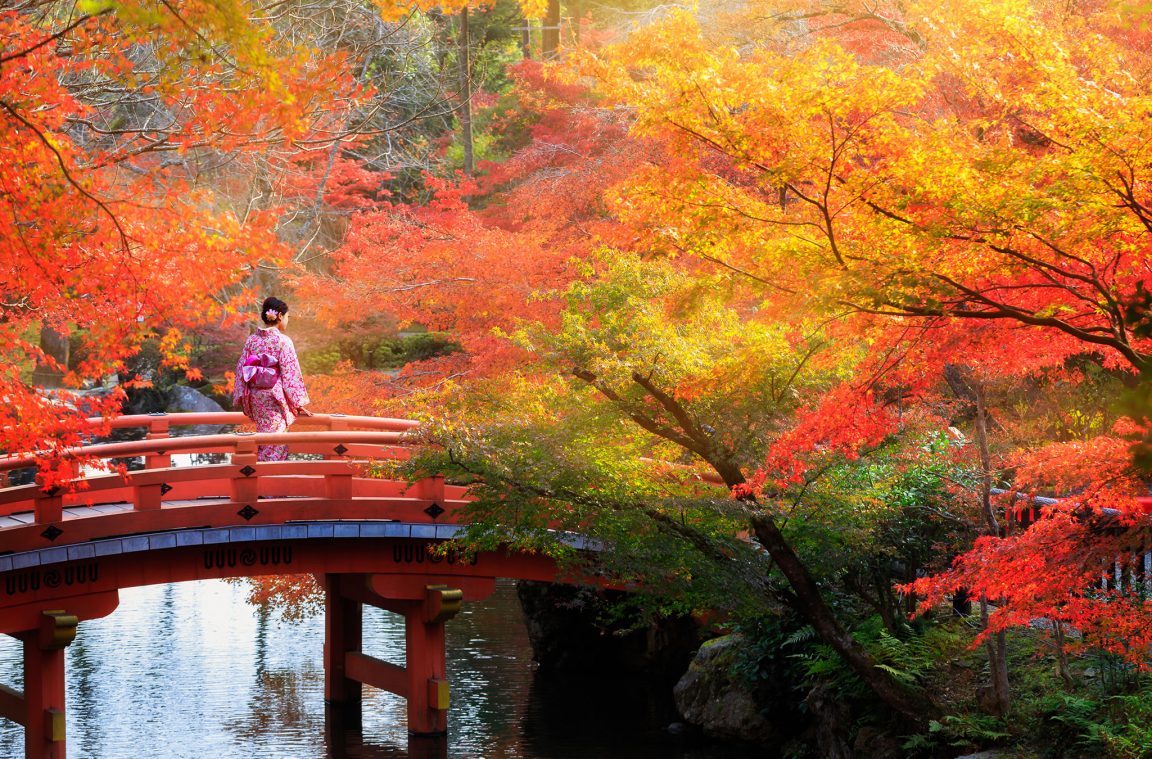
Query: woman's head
(273, 311)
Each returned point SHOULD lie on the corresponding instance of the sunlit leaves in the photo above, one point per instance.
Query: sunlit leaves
(109, 235)
(988, 174)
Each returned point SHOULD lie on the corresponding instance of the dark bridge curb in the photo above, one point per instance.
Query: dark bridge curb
(245, 534)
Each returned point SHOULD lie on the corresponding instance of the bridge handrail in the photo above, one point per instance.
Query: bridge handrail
(188, 419)
(218, 442)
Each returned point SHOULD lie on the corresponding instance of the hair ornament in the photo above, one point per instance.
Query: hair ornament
(271, 315)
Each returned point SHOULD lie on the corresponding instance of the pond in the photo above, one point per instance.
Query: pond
(191, 670)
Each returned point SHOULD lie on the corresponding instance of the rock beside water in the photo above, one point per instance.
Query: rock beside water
(710, 696)
(183, 399)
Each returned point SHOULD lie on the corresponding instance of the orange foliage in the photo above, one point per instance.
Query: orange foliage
(107, 234)
(473, 272)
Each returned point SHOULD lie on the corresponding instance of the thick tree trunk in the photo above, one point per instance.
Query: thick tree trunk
(55, 345)
(810, 603)
(1062, 655)
(526, 38)
(576, 13)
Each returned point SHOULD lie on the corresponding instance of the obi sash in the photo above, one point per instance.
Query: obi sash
(259, 371)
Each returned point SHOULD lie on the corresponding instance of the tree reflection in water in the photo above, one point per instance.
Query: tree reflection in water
(191, 671)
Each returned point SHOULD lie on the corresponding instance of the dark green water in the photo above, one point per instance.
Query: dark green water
(191, 671)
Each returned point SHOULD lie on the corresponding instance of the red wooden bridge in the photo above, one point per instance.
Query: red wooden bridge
(65, 553)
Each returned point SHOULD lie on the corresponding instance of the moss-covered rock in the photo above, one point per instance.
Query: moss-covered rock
(711, 695)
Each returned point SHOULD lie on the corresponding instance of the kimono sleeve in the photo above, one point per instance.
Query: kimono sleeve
(291, 378)
(239, 388)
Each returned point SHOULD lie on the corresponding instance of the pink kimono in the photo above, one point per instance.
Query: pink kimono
(269, 387)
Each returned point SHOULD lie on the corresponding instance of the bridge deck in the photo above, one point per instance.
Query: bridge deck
(22, 518)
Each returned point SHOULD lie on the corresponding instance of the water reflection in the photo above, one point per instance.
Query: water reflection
(193, 670)
(190, 670)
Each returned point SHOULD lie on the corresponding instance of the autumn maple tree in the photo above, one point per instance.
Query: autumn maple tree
(112, 116)
(142, 158)
(974, 174)
(952, 194)
(440, 261)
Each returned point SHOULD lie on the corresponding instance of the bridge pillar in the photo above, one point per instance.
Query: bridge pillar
(40, 709)
(426, 657)
(343, 634)
(423, 680)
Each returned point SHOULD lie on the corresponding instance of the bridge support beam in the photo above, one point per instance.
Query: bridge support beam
(343, 635)
(40, 708)
(423, 680)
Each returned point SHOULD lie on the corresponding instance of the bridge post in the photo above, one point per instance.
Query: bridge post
(423, 680)
(40, 709)
(157, 428)
(425, 665)
(343, 634)
(244, 482)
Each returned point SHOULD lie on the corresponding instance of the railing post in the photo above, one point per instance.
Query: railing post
(339, 486)
(429, 488)
(147, 497)
(49, 506)
(245, 480)
(336, 423)
(158, 428)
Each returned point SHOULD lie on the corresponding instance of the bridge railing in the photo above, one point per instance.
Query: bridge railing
(162, 422)
(160, 427)
(338, 477)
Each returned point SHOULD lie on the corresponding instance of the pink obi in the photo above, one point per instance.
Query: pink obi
(259, 371)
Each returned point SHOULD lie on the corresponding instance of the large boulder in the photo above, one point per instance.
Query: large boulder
(182, 399)
(711, 696)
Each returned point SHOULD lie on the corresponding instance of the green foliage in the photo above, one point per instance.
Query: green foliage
(630, 318)
(540, 468)
(1114, 727)
(963, 731)
(374, 352)
(908, 661)
(321, 361)
(768, 642)
(890, 503)
(485, 147)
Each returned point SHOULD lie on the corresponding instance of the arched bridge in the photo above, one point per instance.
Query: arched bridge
(65, 552)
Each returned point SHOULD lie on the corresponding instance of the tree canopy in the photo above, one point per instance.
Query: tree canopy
(796, 304)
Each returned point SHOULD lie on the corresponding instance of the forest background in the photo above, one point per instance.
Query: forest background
(808, 309)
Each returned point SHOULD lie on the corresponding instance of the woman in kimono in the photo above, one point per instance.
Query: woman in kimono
(269, 387)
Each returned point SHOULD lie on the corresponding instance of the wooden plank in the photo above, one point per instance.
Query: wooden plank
(379, 674)
(12, 705)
